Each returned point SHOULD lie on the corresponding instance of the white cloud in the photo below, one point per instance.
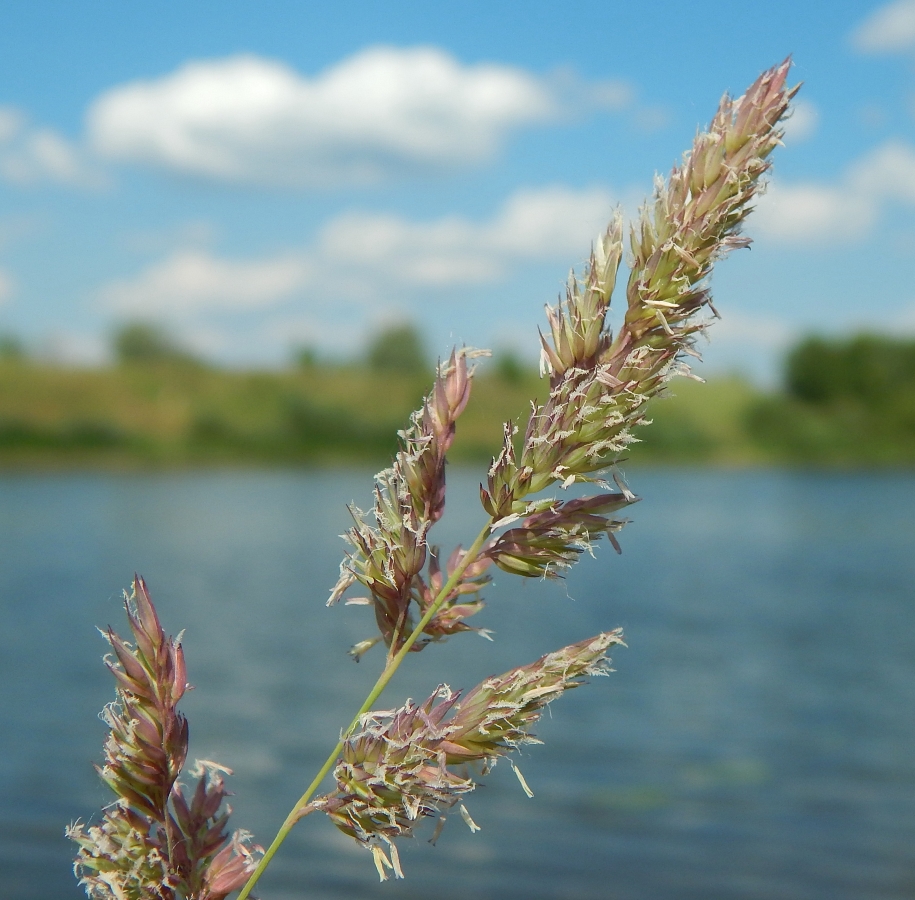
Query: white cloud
(194, 281)
(811, 212)
(44, 155)
(553, 222)
(31, 155)
(889, 29)
(549, 223)
(371, 257)
(759, 332)
(748, 344)
(904, 320)
(309, 330)
(803, 122)
(195, 234)
(651, 119)
(251, 120)
(10, 123)
(886, 173)
(394, 249)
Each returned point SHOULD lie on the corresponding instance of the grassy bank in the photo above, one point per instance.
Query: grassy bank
(173, 414)
(180, 413)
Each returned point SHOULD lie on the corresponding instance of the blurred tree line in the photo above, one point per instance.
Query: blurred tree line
(161, 404)
(396, 349)
(843, 402)
(846, 401)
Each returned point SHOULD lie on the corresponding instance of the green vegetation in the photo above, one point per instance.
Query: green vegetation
(845, 402)
(11, 347)
(167, 412)
(144, 343)
(398, 349)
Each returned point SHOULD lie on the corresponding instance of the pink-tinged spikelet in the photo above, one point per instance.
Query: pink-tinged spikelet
(599, 384)
(153, 843)
(396, 770)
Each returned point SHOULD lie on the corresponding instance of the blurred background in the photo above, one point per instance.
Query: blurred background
(235, 240)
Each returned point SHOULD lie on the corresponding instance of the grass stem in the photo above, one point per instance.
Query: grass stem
(387, 674)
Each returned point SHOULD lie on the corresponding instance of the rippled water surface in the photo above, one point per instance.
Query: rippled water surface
(756, 741)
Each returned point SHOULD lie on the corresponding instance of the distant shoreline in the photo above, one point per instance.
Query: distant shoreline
(187, 416)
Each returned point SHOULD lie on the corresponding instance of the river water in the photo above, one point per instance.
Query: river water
(756, 741)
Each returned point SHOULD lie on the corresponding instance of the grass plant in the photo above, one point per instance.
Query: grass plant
(391, 770)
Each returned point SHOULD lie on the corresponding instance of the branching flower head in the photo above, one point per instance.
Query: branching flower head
(396, 767)
(389, 547)
(153, 842)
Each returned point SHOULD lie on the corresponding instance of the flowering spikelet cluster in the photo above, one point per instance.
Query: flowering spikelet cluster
(395, 767)
(153, 843)
(390, 548)
(599, 385)
(462, 602)
(552, 538)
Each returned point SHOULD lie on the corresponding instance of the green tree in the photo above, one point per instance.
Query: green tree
(305, 357)
(398, 348)
(509, 367)
(865, 368)
(144, 342)
(11, 347)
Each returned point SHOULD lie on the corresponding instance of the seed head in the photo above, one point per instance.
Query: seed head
(599, 385)
(389, 546)
(396, 770)
(153, 843)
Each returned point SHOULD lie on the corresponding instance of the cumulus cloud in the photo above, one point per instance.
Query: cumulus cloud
(310, 330)
(750, 344)
(886, 173)
(889, 29)
(904, 320)
(194, 281)
(30, 155)
(803, 122)
(372, 256)
(194, 234)
(811, 212)
(11, 121)
(548, 223)
(760, 332)
(251, 120)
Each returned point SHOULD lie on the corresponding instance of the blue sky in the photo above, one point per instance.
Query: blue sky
(258, 176)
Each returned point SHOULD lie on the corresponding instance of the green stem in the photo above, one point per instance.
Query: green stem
(390, 668)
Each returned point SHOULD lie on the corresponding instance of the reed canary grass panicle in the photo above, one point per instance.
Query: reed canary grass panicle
(394, 770)
(152, 842)
(578, 325)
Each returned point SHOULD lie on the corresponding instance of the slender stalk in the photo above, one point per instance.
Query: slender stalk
(395, 637)
(390, 668)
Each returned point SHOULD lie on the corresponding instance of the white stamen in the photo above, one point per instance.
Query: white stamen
(466, 817)
(524, 784)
